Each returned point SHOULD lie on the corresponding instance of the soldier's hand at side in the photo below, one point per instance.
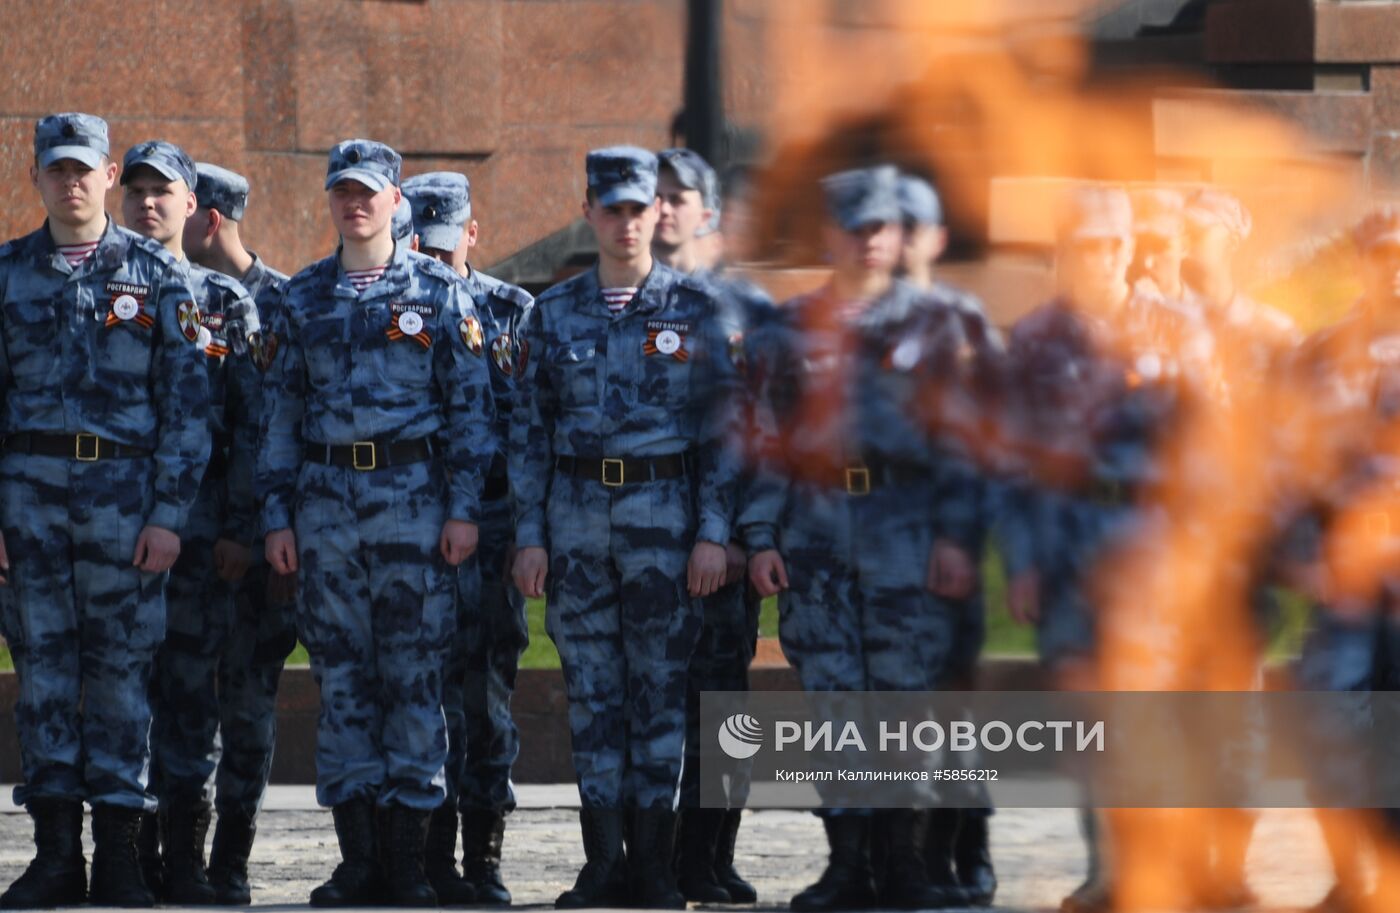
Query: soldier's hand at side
(231, 560)
(531, 568)
(458, 541)
(705, 572)
(951, 572)
(4, 563)
(281, 589)
(156, 550)
(1023, 598)
(281, 551)
(767, 573)
(737, 563)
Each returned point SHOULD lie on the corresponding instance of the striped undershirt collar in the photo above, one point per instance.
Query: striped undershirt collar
(362, 279)
(618, 298)
(75, 254)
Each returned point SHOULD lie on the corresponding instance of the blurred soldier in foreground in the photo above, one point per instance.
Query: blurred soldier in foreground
(106, 435)
(376, 439)
(858, 520)
(958, 849)
(624, 491)
(492, 631)
(264, 626)
(158, 181)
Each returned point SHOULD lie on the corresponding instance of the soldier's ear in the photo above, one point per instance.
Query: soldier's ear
(216, 221)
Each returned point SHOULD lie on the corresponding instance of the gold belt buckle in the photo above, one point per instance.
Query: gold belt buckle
(608, 464)
(355, 451)
(83, 454)
(857, 481)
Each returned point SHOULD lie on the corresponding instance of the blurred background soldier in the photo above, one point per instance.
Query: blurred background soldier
(264, 627)
(158, 196)
(375, 443)
(492, 631)
(849, 521)
(624, 484)
(106, 435)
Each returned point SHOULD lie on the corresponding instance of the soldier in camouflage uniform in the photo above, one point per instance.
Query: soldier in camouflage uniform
(158, 181)
(105, 417)
(689, 194)
(264, 622)
(624, 489)
(958, 849)
(859, 520)
(492, 631)
(376, 439)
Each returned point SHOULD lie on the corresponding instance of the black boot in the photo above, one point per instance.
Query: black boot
(905, 885)
(228, 860)
(602, 882)
(482, 835)
(355, 882)
(695, 866)
(740, 891)
(116, 869)
(651, 875)
(440, 858)
(846, 884)
(186, 882)
(939, 844)
(148, 851)
(57, 877)
(973, 854)
(407, 883)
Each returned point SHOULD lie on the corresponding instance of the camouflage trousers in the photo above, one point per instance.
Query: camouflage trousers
(376, 614)
(199, 609)
(625, 626)
(728, 640)
(857, 615)
(492, 633)
(82, 624)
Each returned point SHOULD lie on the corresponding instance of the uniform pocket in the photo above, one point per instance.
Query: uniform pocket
(575, 366)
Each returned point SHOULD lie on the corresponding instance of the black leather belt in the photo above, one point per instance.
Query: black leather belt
(862, 478)
(85, 448)
(613, 472)
(367, 455)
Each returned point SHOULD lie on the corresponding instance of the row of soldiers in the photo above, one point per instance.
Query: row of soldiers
(403, 449)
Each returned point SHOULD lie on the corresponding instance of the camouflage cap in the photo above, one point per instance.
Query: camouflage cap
(694, 173)
(403, 220)
(618, 174)
(1380, 227)
(442, 206)
(1092, 212)
(1215, 207)
(863, 196)
(364, 161)
(81, 137)
(1159, 211)
(169, 161)
(221, 190)
(918, 201)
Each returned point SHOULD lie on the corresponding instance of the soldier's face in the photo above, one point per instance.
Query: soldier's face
(73, 193)
(1090, 268)
(154, 206)
(1160, 258)
(923, 244)
(1380, 273)
(681, 212)
(871, 248)
(359, 212)
(624, 229)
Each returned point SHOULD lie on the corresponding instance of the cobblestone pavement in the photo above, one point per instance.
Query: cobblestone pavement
(1038, 852)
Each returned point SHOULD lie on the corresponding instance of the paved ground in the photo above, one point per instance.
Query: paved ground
(1039, 854)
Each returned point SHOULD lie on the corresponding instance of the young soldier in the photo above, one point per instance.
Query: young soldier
(264, 626)
(624, 490)
(492, 631)
(158, 181)
(850, 521)
(105, 419)
(688, 192)
(375, 443)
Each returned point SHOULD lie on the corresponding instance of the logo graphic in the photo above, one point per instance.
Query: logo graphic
(740, 736)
